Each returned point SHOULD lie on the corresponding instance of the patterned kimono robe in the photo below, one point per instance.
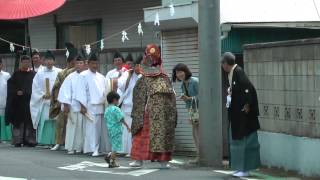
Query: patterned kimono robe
(55, 106)
(154, 117)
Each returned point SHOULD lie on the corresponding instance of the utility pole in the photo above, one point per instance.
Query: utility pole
(210, 83)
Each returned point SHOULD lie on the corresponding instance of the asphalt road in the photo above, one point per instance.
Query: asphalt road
(42, 164)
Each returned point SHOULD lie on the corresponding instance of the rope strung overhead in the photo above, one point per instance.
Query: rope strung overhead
(87, 46)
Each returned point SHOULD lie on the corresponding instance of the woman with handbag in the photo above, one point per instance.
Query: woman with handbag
(190, 89)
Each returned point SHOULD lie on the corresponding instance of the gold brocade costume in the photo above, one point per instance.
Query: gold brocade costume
(156, 96)
(55, 107)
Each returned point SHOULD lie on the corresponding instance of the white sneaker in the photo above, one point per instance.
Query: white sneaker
(241, 174)
(71, 152)
(164, 165)
(56, 147)
(136, 164)
(95, 154)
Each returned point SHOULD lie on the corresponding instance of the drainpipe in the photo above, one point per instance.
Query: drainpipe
(224, 35)
(225, 29)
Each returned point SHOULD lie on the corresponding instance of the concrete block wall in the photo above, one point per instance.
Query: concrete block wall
(287, 78)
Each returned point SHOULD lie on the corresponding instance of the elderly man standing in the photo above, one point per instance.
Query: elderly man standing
(243, 113)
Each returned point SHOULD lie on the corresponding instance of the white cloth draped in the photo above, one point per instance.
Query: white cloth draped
(114, 73)
(108, 90)
(4, 76)
(39, 90)
(40, 68)
(126, 94)
(92, 95)
(230, 75)
(126, 135)
(96, 135)
(92, 92)
(75, 125)
(75, 132)
(126, 100)
(69, 90)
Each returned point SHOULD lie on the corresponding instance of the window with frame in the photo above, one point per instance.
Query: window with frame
(79, 33)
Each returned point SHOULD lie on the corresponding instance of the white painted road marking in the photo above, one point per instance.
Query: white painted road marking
(11, 178)
(255, 175)
(85, 165)
(130, 173)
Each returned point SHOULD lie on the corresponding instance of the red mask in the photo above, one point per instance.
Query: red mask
(152, 56)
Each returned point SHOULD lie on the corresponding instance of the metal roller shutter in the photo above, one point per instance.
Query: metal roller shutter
(181, 46)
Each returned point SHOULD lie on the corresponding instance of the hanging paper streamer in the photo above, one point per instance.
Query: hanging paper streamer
(124, 36)
(101, 44)
(140, 31)
(157, 20)
(172, 11)
(11, 47)
(67, 53)
(88, 49)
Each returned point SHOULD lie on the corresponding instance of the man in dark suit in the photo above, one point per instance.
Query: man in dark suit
(243, 115)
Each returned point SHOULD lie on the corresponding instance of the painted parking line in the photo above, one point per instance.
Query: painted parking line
(11, 178)
(102, 168)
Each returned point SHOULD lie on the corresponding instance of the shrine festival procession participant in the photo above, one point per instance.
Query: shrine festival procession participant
(243, 115)
(17, 110)
(72, 109)
(114, 119)
(37, 61)
(126, 84)
(92, 94)
(116, 73)
(55, 106)
(5, 130)
(40, 101)
(154, 113)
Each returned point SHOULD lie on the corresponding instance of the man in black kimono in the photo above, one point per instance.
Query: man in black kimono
(243, 113)
(18, 105)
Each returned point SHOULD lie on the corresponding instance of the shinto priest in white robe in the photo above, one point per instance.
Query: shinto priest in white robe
(92, 95)
(75, 125)
(39, 107)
